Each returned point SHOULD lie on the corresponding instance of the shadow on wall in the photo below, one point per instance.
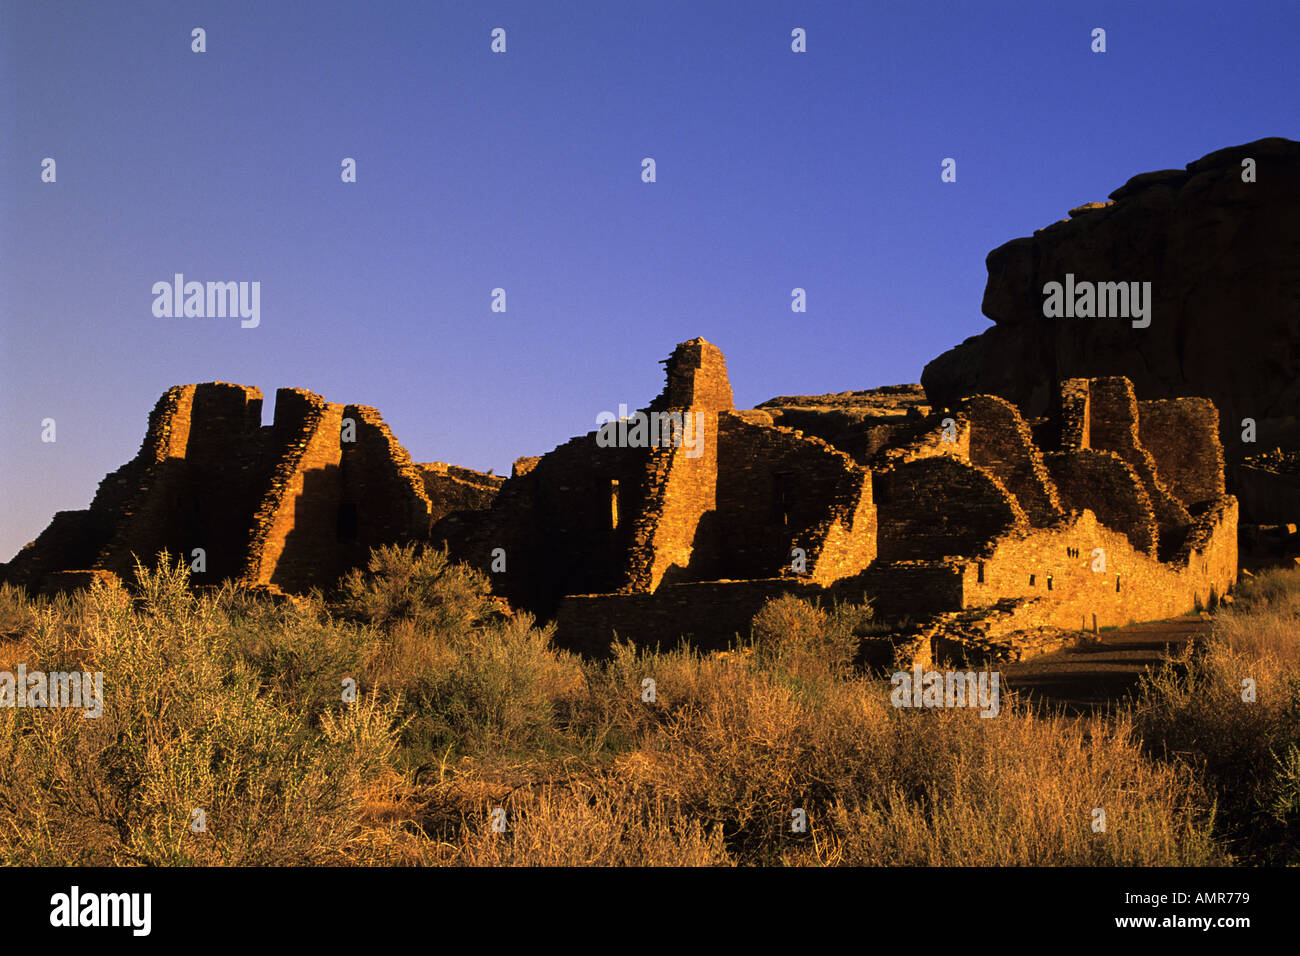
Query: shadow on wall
(310, 552)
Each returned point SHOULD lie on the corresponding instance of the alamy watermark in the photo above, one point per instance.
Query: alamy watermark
(651, 430)
(211, 300)
(75, 908)
(1100, 300)
(82, 689)
(920, 688)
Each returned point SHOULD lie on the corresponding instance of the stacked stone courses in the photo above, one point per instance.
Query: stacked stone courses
(981, 528)
(927, 515)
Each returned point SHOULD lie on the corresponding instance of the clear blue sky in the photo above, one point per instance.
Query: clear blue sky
(523, 171)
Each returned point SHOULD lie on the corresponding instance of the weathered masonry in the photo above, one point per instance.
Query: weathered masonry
(1113, 512)
(980, 525)
(291, 505)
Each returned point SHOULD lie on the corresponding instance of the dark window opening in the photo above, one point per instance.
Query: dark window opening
(347, 528)
(1117, 584)
(979, 573)
(1032, 579)
(783, 498)
(1049, 582)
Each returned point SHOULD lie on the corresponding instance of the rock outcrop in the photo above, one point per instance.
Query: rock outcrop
(1222, 255)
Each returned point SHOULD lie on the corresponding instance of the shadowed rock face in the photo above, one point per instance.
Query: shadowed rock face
(1223, 260)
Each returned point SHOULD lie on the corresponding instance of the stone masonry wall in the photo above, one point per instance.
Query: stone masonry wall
(560, 527)
(1106, 485)
(1061, 568)
(206, 462)
(288, 504)
(696, 378)
(1001, 443)
(1182, 435)
(294, 542)
(383, 499)
(935, 507)
(1114, 427)
(779, 489)
(451, 488)
(681, 492)
(710, 614)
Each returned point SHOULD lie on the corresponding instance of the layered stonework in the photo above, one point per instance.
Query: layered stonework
(292, 504)
(975, 525)
(941, 517)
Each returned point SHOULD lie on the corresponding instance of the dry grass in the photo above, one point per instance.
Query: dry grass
(1246, 751)
(233, 704)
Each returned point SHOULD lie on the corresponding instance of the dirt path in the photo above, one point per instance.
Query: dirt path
(1102, 671)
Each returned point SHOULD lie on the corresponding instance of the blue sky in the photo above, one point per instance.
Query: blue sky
(522, 171)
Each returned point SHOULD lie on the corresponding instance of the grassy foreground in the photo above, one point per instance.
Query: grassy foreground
(224, 702)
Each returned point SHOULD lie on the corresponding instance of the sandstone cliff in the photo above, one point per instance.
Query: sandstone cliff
(1223, 259)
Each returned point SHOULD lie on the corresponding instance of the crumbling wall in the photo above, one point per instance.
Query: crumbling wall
(451, 488)
(1182, 436)
(382, 498)
(290, 504)
(669, 544)
(1084, 575)
(148, 507)
(295, 539)
(70, 540)
(198, 485)
(1105, 484)
(779, 489)
(1075, 415)
(709, 614)
(1002, 444)
(697, 378)
(936, 435)
(1114, 425)
(1209, 552)
(566, 524)
(935, 507)
(844, 542)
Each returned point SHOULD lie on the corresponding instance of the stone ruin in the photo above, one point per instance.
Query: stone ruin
(976, 525)
(289, 505)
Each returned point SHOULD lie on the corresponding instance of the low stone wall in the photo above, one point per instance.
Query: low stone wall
(708, 614)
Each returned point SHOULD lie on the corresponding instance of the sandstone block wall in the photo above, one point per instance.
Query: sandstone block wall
(710, 615)
(1002, 444)
(936, 507)
(568, 524)
(1182, 435)
(1108, 486)
(295, 528)
(179, 492)
(1113, 425)
(289, 504)
(451, 488)
(586, 520)
(696, 378)
(383, 499)
(675, 534)
(779, 489)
